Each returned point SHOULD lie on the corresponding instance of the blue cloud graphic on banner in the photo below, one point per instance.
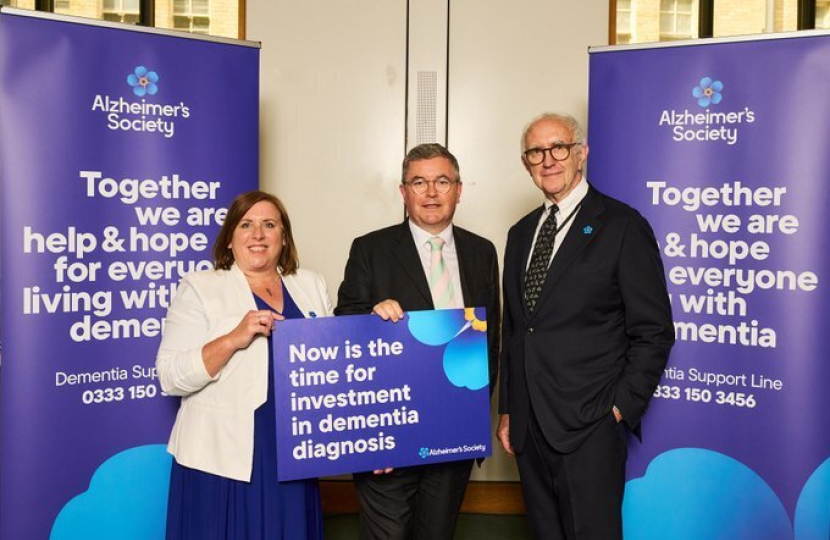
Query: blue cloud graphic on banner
(126, 499)
(692, 493)
(812, 513)
(143, 81)
(708, 92)
(465, 334)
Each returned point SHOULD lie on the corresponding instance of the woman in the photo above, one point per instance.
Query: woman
(216, 355)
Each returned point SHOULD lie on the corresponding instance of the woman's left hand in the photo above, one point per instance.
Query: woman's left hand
(218, 352)
(267, 321)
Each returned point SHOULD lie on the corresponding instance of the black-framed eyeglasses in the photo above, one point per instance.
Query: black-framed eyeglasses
(420, 186)
(559, 152)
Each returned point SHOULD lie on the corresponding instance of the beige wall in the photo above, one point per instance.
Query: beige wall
(333, 112)
(509, 63)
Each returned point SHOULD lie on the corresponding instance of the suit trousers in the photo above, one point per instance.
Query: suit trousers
(412, 503)
(578, 495)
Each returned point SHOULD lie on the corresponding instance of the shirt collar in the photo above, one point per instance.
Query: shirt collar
(421, 236)
(567, 205)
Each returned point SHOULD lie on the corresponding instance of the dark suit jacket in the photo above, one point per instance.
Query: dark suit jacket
(602, 329)
(385, 264)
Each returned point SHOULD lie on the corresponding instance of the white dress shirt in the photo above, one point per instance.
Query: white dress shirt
(568, 208)
(421, 238)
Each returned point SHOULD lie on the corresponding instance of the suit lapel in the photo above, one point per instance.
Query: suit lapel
(467, 264)
(585, 227)
(406, 254)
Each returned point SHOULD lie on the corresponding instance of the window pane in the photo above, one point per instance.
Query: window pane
(131, 6)
(677, 20)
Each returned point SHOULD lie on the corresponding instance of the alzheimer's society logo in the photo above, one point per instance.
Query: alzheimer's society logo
(425, 452)
(142, 116)
(708, 92)
(709, 125)
(143, 81)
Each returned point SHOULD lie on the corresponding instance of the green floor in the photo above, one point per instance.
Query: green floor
(470, 527)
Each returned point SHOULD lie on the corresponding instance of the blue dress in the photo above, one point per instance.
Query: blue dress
(203, 506)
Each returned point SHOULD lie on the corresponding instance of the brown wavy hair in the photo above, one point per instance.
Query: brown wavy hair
(222, 254)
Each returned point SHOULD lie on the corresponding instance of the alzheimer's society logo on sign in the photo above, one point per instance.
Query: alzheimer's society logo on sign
(127, 114)
(425, 452)
(708, 92)
(143, 81)
(709, 125)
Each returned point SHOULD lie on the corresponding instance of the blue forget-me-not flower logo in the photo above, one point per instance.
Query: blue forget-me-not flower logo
(423, 452)
(708, 92)
(143, 81)
(587, 229)
(464, 332)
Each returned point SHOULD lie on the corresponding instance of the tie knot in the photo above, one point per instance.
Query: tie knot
(553, 209)
(436, 243)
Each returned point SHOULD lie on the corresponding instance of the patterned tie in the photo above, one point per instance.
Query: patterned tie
(440, 283)
(538, 269)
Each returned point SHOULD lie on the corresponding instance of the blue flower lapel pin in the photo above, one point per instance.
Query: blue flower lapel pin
(587, 230)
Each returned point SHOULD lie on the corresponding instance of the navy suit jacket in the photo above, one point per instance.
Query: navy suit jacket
(601, 332)
(385, 264)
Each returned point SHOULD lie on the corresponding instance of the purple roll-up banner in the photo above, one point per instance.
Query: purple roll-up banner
(357, 393)
(119, 150)
(723, 146)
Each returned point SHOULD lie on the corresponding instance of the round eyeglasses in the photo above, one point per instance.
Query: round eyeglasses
(420, 186)
(558, 152)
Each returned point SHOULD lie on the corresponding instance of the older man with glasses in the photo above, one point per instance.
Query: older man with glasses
(425, 262)
(586, 334)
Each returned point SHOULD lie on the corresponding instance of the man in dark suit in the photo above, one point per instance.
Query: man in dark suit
(587, 332)
(423, 263)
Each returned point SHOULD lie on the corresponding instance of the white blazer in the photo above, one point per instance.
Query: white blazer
(214, 429)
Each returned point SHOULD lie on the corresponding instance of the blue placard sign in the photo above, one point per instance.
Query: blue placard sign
(356, 393)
